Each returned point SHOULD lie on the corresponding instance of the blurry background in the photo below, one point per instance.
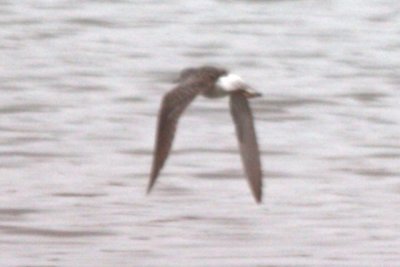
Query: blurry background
(80, 87)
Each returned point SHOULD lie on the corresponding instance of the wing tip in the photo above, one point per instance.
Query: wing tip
(258, 197)
(150, 185)
(257, 191)
(148, 190)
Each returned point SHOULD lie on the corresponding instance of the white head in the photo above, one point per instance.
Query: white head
(232, 82)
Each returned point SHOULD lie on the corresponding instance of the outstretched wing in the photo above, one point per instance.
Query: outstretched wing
(249, 151)
(172, 107)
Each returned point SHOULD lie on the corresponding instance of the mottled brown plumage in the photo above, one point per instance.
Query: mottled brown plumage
(207, 81)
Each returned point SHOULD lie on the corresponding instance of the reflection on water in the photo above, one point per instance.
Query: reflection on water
(80, 86)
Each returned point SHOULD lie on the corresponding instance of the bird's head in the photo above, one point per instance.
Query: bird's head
(233, 83)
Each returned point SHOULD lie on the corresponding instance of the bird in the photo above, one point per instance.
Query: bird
(211, 82)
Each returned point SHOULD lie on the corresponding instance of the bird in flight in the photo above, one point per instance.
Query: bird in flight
(211, 82)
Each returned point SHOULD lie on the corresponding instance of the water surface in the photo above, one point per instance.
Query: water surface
(81, 83)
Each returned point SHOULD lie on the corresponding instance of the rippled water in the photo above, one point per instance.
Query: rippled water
(80, 86)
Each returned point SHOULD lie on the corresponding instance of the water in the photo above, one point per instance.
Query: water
(81, 83)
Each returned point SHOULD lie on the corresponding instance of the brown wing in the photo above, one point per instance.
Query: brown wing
(249, 151)
(172, 106)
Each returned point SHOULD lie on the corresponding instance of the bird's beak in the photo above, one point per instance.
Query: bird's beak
(249, 92)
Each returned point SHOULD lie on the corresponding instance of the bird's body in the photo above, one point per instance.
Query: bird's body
(211, 82)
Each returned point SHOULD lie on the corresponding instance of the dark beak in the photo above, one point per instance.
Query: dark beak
(253, 94)
(249, 92)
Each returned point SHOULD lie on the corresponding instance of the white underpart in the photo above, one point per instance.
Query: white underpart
(230, 82)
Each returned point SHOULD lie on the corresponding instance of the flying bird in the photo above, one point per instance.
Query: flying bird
(211, 82)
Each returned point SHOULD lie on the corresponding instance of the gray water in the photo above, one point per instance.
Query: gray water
(81, 83)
